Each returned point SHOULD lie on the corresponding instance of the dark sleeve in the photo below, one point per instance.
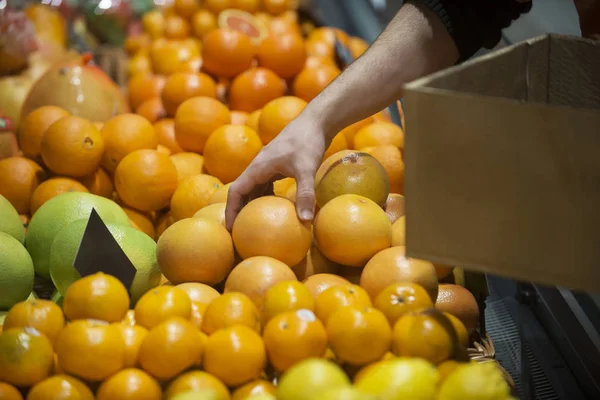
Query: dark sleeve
(474, 24)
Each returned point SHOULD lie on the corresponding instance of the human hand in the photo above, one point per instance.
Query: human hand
(296, 153)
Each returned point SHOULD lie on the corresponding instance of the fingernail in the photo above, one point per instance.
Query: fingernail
(306, 215)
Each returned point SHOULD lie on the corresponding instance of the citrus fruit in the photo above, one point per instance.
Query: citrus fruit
(176, 27)
(99, 183)
(143, 87)
(160, 304)
(217, 6)
(344, 393)
(199, 292)
(198, 311)
(227, 52)
(186, 8)
(133, 336)
(351, 172)
(390, 158)
(26, 356)
(338, 144)
(215, 212)
(165, 132)
(41, 315)
(481, 381)
(195, 250)
(228, 310)
(138, 247)
(391, 266)
(91, 350)
(98, 296)
(458, 301)
(311, 81)
(358, 336)
(229, 151)
(203, 21)
(196, 382)
(276, 114)
(400, 298)
(239, 117)
(139, 64)
(283, 236)
(276, 7)
(153, 23)
(283, 54)
(329, 35)
(62, 387)
(9, 392)
(128, 384)
(33, 127)
(252, 121)
(447, 367)
(52, 188)
(293, 336)
(235, 355)
(125, 134)
(187, 165)
(336, 297)
(318, 283)
(142, 221)
(402, 378)
(394, 208)
(315, 263)
(350, 131)
(254, 88)
(169, 56)
(350, 229)
(460, 329)
(182, 86)
(19, 177)
(253, 389)
(286, 296)
(379, 134)
(16, 280)
(163, 221)
(399, 232)
(196, 119)
(309, 377)
(10, 222)
(357, 46)
(152, 110)
(240, 19)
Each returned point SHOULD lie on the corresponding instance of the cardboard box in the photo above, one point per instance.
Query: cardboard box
(503, 163)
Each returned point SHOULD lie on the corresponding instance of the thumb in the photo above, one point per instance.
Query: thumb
(305, 196)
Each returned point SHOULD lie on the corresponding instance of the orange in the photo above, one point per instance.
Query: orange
(250, 6)
(184, 85)
(350, 229)
(196, 119)
(187, 165)
(357, 46)
(146, 180)
(125, 134)
(130, 384)
(426, 334)
(460, 329)
(276, 7)
(98, 296)
(143, 87)
(193, 194)
(458, 301)
(199, 292)
(89, 349)
(220, 196)
(311, 81)
(315, 263)
(143, 222)
(139, 64)
(99, 183)
(203, 21)
(443, 270)
(186, 8)
(229, 151)
(282, 235)
(152, 109)
(176, 27)
(252, 121)
(165, 133)
(72, 146)
(280, 26)
(162, 223)
(235, 355)
(286, 296)
(61, 387)
(338, 143)
(26, 356)
(239, 117)
(399, 232)
(197, 381)
(129, 319)
(134, 43)
(281, 186)
(319, 283)
(168, 56)
(254, 88)
(359, 336)
(319, 48)
(170, 348)
(294, 336)
(350, 131)
(33, 127)
(198, 310)
(228, 310)
(390, 157)
(216, 6)
(52, 188)
(195, 250)
(42, 315)
(160, 304)
(329, 35)
(400, 298)
(276, 114)
(9, 392)
(391, 266)
(153, 23)
(226, 52)
(317, 61)
(379, 134)
(255, 275)
(133, 336)
(254, 388)
(337, 297)
(394, 208)
(283, 54)
(215, 212)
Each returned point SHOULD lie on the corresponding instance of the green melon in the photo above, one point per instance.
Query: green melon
(139, 248)
(57, 298)
(58, 212)
(16, 272)
(10, 222)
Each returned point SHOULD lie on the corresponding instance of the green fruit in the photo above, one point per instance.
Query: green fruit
(10, 222)
(58, 212)
(196, 395)
(57, 298)
(482, 381)
(345, 393)
(139, 248)
(399, 379)
(32, 297)
(16, 272)
(309, 377)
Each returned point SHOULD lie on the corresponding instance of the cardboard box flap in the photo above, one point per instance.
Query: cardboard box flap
(503, 164)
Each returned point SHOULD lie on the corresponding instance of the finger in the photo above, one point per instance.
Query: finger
(305, 196)
(235, 202)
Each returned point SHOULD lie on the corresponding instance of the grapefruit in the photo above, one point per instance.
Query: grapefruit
(458, 301)
(243, 22)
(10, 222)
(58, 212)
(16, 279)
(139, 248)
